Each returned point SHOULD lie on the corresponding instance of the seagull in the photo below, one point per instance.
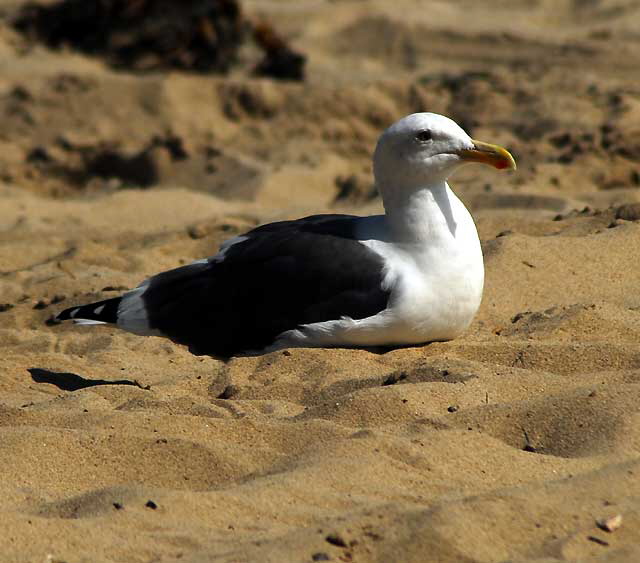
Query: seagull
(411, 276)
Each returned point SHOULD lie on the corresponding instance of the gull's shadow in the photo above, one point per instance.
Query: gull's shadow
(73, 382)
(382, 350)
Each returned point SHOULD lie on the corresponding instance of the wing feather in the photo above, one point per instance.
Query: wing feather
(272, 279)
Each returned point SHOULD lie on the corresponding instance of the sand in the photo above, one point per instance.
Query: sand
(507, 444)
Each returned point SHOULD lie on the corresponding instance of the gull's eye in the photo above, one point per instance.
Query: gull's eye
(424, 136)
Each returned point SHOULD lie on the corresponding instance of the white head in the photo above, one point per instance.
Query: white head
(423, 149)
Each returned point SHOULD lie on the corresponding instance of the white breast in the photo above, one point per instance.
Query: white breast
(435, 281)
(436, 288)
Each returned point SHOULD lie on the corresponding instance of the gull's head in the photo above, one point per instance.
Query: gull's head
(424, 149)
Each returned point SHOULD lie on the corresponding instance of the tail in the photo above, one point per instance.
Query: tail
(101, 312)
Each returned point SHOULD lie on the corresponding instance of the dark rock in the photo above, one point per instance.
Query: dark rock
(628, 212)
(201, 35)
(145, 35)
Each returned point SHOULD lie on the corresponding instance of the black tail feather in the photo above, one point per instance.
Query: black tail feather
(103, 311)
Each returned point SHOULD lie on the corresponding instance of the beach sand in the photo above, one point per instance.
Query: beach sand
(507, 444)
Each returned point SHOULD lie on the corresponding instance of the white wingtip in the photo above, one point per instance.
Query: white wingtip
(87, 322)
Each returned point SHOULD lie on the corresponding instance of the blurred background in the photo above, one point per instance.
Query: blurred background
(281, 102)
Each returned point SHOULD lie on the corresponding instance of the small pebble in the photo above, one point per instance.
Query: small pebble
(610, 524)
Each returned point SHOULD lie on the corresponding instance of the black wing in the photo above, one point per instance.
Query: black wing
(282, 275)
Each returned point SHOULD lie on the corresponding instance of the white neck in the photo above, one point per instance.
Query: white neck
(425, 214)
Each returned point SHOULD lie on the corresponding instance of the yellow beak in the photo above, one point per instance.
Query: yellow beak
(488, 154)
